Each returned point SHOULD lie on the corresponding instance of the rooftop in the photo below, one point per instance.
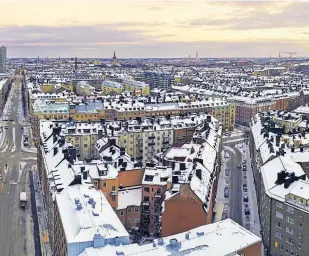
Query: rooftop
(204, 240)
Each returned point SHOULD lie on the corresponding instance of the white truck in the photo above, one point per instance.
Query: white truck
(23, 200)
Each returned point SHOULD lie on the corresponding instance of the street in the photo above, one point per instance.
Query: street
(16, 227)
(236, 152)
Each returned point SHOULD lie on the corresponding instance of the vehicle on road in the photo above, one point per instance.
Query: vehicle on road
(245, 199)
(227, 171)
(0, 176)
(244, 168)
(6, 127)
(226, 192)
(245, 189)
(239, 166)
(226, 187)
(247, 211)
(23, 200)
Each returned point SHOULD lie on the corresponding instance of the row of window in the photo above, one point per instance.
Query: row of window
(288, 218)
(129, 210)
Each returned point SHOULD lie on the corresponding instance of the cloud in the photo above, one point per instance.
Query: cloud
(257, 48)
(260, 16)
(74, 35)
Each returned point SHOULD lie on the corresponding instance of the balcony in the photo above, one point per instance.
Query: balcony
(165, 141)
(151, 137)
(145, 203)
(139, 158)
(113, 193)
(151, 144)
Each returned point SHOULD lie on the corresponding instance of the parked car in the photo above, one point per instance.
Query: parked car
(239, 166)
(247, 211)
(245, 177)
(227, 171)
(226, 192)
(245, 189)
(226, 187)
(244, 168)
(245, 199)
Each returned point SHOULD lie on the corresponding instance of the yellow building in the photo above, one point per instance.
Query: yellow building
(110, 87)
(136, 86)
(47, 88)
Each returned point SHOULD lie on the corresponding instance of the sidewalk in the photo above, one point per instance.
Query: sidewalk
(42, 217)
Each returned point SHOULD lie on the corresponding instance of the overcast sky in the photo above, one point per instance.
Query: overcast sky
(95, 28)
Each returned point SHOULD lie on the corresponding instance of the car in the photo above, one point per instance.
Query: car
(0, 176)
(226, 187)
(6, 127)
(245, 177)
(245, 182)
(244, 169)
(244, 185)
(244, 166)
(239, 166)
(245, 189)
(227, 171)
(245, 199)
(225, 207)
(227, 181)
(247, 211)
(226, 192)
(247, 218)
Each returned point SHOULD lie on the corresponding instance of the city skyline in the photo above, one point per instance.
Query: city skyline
(154, 28)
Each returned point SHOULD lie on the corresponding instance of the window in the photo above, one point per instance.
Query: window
(278, 234)
(121, 213)
(290, 219)
(279, 215)
(289, 230)
(290, 209)
(300, 225)
(281, 247)
(85, 145)
(136, 209)
(300, 236)
(129, 209)
(146, 189)
(278, 224)
(113, 188)
(136, 220)
(113, 198)
(287, 250)
(279, 205)
(129, 220)
(290, 240)
(105, 184)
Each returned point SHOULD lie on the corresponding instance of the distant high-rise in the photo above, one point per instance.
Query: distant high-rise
(196, 57)
(2, 59)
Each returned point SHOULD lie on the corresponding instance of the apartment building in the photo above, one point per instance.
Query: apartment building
(109, 87)
(246, 108)
(156, 181)
(137, 87)
(222, 238)
(195, 171)
(84, 218)
(158, 79)
(284, 207)
(5, 86)
(2, 59)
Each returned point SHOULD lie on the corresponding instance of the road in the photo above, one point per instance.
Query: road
(16, 228)
(235, 178)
